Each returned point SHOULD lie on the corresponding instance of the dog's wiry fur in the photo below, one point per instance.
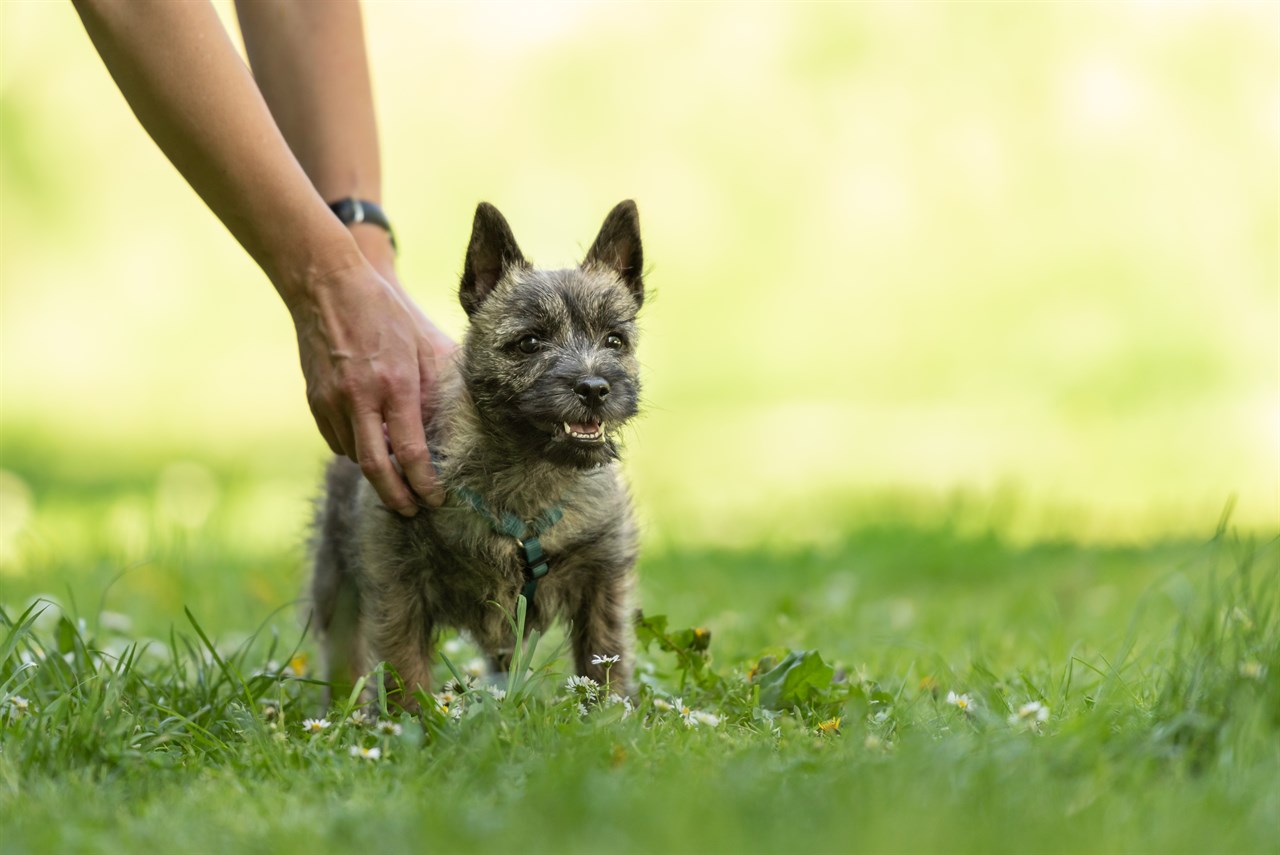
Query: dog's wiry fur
(383, 585)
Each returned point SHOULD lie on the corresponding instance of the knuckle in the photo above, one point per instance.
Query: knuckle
(416, 458)
(371, 468)
(348, 388)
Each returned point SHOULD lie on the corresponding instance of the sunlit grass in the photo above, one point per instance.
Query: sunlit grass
(930, 715)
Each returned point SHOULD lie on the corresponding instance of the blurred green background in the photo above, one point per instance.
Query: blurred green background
(1015, 266)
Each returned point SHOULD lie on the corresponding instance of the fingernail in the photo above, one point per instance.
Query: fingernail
(409, 511)
(435, 498)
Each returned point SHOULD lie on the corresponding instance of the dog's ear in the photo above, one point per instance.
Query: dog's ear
(491, 253)
(617, 247)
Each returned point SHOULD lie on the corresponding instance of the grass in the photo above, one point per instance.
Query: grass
(827, 678)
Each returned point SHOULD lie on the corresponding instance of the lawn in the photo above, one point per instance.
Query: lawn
(903, 688)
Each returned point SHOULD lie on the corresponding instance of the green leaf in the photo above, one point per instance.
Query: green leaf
(802, 677)
(651, 629)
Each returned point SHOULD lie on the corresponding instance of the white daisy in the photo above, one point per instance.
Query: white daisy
(389, 728)
(1032, 713)
(964, 702)
(604, 660)
(360, 718)
(705, 718)
(583, 686)
(454, 646)
(458, 687)
(366, 753)
(498, 694)
(662, 705)
(18, 707)
(614, 699)
(314, 725)
(685, 712)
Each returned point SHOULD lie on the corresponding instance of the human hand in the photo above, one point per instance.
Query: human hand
(371, 358)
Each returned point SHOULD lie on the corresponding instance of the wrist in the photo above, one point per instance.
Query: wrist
(316, 266)
(375, 245)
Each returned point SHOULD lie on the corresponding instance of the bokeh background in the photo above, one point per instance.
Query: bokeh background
(1014, 266)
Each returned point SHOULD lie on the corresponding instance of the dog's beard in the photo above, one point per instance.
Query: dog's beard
(565, 436)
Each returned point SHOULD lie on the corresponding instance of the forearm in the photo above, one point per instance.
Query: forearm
(185, 82)
(309, 61)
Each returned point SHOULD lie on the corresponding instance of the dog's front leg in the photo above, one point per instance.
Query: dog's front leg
(401, 634)
(602, 630)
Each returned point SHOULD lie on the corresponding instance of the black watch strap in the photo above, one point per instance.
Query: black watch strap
(352, 210)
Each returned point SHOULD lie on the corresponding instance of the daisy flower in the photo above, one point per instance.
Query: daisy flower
(662, 705)
(458, 687)
(366, 753)
(498, 694)
(1030, 713)
(604, 660)
(314, 725)
(454, 646)
(704, 718)
(360, 718)
(685, 712)
(964, 702)
(389, 728)
(614, 699)
(18, 707)
(584, 686)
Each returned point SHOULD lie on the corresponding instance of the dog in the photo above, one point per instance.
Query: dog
(524, 436)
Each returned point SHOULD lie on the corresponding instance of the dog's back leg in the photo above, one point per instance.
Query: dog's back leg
(335, 595)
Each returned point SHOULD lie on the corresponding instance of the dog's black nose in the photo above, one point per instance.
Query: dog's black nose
(592, 390)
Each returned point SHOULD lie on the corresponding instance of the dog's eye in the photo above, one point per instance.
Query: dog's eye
(530, 344)
(615, 341)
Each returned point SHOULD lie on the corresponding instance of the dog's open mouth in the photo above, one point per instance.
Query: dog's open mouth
(588, 432)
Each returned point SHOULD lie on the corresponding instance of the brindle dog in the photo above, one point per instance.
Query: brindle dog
(524, 431)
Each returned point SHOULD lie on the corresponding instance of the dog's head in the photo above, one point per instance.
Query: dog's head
(549, 359)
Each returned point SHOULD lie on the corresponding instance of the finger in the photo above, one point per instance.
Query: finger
(376, 466)
(346, 438)
(330, 436)
(409, 443)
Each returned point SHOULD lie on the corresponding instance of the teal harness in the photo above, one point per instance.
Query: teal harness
(526, 533)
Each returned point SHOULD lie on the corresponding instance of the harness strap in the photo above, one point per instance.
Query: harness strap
(526, 534)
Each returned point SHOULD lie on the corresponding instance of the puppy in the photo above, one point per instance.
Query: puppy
(524, 438)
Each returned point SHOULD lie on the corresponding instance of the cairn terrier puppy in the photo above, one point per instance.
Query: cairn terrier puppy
(524, 439)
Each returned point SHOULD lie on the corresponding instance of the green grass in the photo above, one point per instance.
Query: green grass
(1160, 667)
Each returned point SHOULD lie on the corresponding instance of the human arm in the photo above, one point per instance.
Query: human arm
(359, 338)
(309, 62)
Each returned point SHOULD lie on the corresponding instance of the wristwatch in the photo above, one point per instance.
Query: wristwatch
(352, 210)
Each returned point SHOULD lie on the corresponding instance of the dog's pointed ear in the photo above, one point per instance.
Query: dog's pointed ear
(617, 247)
(491, 253)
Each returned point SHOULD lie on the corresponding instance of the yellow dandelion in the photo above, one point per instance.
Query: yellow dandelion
(297, 666)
